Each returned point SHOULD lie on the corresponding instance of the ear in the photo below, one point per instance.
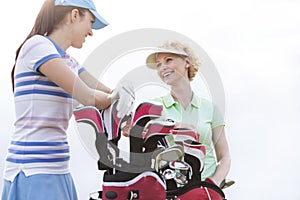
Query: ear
(188, 63)
(74, 15)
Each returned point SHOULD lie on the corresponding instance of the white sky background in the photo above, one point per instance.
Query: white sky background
(255, 45)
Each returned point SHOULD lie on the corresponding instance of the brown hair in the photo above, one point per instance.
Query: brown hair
(194, 61)
(47, 20)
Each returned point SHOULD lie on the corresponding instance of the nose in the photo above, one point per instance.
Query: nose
(90, 33)
(162, 67)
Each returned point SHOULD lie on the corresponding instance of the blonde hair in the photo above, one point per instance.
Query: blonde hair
(193, 60)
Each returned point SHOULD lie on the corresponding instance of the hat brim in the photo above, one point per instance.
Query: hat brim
(151, 59)
(100, 22)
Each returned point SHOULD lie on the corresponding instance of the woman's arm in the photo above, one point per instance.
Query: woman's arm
(57, 71)
(93, 83)
(222, 153)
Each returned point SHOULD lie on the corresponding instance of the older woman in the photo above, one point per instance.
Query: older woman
(177, 66)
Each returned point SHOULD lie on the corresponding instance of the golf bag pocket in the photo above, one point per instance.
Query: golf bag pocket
(121, 186)
(202, 190)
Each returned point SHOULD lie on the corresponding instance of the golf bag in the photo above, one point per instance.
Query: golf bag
(164, 163)
(182, 176)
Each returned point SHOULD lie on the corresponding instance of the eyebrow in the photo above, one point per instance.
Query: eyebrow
(93, 17)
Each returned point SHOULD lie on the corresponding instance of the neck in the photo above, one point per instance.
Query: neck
(183, 94)
(60, 37)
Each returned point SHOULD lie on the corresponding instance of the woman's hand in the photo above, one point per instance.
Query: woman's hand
(124, 92)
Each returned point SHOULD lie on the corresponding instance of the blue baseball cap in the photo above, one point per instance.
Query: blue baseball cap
(88, 4)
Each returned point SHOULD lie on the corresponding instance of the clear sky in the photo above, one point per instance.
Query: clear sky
(255, 46)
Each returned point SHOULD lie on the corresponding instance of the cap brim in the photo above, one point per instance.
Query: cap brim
(151, 59)
(100, 22)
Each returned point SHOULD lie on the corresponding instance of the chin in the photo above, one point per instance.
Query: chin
(77, 46)
(168, 82)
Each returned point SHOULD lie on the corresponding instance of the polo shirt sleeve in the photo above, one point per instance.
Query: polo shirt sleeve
(218, 117)
(36, 51)
(81, 69)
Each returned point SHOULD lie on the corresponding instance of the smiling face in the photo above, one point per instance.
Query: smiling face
(82, 27)
(171, 68)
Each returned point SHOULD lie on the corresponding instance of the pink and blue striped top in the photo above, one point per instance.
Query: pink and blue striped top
(43, 109)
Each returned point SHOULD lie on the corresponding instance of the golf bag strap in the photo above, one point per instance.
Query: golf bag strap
(213, 187)
(196, 184)
(131, 195)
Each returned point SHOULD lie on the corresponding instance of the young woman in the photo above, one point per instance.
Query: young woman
(48, 84)
(177, 66)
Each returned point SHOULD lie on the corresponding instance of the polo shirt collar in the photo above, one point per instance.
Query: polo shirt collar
(169, 101)
(60, 50)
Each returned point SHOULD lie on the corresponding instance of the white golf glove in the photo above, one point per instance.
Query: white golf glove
(124, 92)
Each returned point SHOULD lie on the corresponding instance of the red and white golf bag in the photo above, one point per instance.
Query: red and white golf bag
(165, 163)
(183, 175)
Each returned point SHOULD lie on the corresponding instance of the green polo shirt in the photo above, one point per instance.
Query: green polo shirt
(203, 115)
